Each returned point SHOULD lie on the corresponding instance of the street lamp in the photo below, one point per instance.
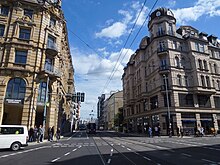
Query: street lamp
(168, 105)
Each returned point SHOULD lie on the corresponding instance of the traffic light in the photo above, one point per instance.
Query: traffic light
(82, 97)
(78, 96)
(74, 97)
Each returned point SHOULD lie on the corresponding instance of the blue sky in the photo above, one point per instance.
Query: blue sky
(104, 26)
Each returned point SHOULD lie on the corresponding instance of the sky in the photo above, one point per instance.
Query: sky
(103, 34)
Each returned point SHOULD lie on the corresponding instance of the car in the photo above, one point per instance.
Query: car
(13, 136)
(91, 128)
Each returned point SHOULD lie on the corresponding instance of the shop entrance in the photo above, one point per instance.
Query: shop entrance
(12, 114)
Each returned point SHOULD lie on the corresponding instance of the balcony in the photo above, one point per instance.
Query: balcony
(164, 69)
(51, 71)
(161, 51)
(51, 49)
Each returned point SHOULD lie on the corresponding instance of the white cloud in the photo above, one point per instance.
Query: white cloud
(171, 3)
(114, 31)
(202, 7)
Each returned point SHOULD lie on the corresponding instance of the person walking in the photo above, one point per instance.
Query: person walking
(58, 134)
(41, 133)
(178, 131)
(35, 133)
(49, 133)
(150, 131)
(181, 132)
(52, 133)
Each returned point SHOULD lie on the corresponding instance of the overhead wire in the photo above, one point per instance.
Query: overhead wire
(114, 70)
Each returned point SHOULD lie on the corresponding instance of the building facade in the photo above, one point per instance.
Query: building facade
(173, 80)
(100, 110)
(36, 70)
(111, 108)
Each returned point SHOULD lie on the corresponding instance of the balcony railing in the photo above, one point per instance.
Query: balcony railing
(52, 49)
(51, 70)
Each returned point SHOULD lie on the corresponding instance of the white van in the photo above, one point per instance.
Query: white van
(13, 136)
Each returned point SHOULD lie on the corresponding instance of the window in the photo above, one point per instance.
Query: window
(20, 56)
(217, 101)
(179, 80)
(28, 12)
(154, 102)
(25, 33)
(2, 30)
(218, 84)
(201, 48)
(183, 62)
(200, 64)
(215, 68)
(174, 45)
(49, 64)
(186, 100)
(52, 22)
(51, 41)
(204, 101)
(197, 46)
(42, 92)
(16, 89)
(170, 29)
(203, 81)
(146, 87)
(4, 10)
(208, 81)
(162, 46)
(205, 65)
(212, 53)
(210, 66)
(11, 130)
(160, 30)
(177, 61)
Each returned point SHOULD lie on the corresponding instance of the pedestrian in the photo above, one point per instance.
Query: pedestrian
(49, 133)
(178, 131)
(31, 134)
(52, 133)
(150, 131)
(41, 133)
(58, 134)
(156, 130)
(35, 133)
(181, 132)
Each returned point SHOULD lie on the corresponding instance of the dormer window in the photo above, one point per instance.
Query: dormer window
(52, 22)
(28, 12)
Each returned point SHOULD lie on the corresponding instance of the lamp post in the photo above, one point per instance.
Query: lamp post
(168, 105)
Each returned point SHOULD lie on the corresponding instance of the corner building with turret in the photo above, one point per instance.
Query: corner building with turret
(173, 79)
(36, 70)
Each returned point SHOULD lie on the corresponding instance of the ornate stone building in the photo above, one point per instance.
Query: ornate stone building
(36, 70)
(173, 78)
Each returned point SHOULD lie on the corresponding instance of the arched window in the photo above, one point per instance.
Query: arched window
(16, 89)
(177, 61)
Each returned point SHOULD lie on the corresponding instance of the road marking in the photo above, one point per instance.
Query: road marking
(55, 160)
(146, 158)
(112, 150)
(206, 160)
(123, 146)
(75, 149)
(67, 153)
(136, 153)
(112, 144)
(128, 149)
(111, 154)
(186, 155)
(109, 160)
(80, 146)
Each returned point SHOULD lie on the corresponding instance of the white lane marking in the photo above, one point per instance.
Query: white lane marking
(186, 155)
(206, 160)
(146, 158)
(21, 152)
(128, 149)
(123, 146)
(112, 144)
(112, 150)
(136, 153)
(80, 146)
(67, 153)
(55, 160)
(75, 149)
(109, 161)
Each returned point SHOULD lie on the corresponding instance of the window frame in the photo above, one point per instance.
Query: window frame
(24, 33)
(20, 57)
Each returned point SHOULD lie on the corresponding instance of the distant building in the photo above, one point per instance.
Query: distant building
(36, 70)
(173, 79)
(100, 110)
(111, 109)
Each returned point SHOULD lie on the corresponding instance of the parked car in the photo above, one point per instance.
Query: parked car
(13, 136)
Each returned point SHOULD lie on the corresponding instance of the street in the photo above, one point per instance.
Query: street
(115, 149)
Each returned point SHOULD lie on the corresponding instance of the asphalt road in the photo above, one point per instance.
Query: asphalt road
(110, 148)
